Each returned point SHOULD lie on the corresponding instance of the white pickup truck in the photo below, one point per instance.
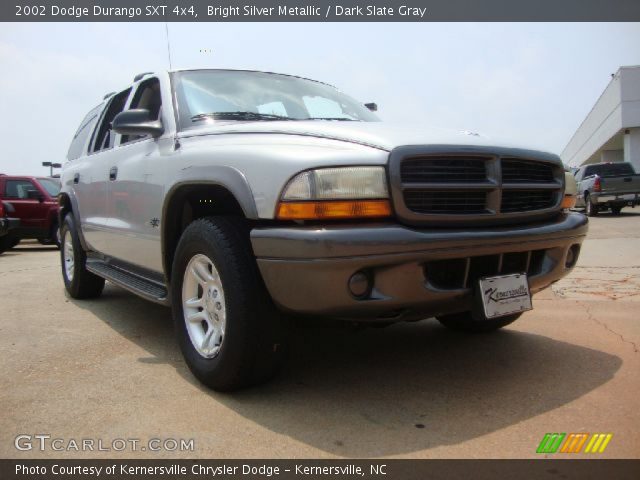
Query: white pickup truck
(237, 197)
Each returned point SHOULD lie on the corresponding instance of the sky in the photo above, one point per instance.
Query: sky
(530, 83)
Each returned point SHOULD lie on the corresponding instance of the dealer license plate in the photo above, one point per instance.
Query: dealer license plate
(505, 295)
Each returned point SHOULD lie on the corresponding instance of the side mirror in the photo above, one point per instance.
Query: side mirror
(137, 122)
(35, 195)
(372, 106)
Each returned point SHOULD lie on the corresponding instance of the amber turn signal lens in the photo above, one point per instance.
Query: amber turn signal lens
(569, 201)
(333, 209)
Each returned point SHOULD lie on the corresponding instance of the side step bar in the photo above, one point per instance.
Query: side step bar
(142, 286)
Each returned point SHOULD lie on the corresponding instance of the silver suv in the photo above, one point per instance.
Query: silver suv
(236, 197)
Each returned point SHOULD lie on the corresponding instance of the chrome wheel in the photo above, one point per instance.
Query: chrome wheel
(203, 306)
(68, 255)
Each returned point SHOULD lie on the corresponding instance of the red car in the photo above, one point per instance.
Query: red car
(33, 200)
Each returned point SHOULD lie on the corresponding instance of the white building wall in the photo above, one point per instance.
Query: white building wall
(612, 156)
(632, 148)
(617, 110)
(603, 122)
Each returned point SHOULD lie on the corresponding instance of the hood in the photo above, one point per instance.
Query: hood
(381, 135)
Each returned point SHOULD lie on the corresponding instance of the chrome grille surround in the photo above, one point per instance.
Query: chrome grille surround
(423, 179)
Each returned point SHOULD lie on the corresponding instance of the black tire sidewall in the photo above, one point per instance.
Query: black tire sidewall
(230, 368)
(84, 284)
(68, 228)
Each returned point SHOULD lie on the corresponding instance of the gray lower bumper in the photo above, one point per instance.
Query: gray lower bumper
(307, 269)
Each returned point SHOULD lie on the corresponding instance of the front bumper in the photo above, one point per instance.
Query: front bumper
(307, 269)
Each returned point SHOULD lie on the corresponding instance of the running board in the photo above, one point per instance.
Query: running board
(135, 283)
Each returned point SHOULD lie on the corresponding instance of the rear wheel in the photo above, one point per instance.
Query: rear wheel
(591, 209)
(79, 282)
(228, 330)
(465, 322)
(616, 210)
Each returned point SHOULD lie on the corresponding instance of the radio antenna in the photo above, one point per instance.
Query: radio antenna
(166, 29)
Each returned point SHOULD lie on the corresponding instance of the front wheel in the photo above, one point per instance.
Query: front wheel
(465, 322)
(616, 210)
(228, 330)
(79, 282)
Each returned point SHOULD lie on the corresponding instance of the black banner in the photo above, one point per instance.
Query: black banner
(319, 10)
(307, 469)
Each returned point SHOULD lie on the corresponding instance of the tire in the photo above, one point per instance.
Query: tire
(616, 210)
(79, 282)
(591, 209)
(230, 305)
(465, 322)
(54, 237)
(6, 243)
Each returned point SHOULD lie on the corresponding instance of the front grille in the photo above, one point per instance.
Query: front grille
(473, 186)
(443, 170)
(522, 171)
(447, 202)
(527, 200)
(465, 272)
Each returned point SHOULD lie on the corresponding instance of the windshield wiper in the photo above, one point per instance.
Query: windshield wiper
(238, 116)
(341, 119)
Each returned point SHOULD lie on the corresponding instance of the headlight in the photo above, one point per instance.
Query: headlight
(343, 192)
(570, 191)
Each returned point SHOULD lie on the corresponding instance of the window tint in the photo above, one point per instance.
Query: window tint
(610, 170)
(147, 96)
(77, 147)
(51, 186)
(105, 136)
(18, 189)
(210, 95)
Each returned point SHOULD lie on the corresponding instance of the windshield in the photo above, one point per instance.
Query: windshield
(224, 95)
(51, 186)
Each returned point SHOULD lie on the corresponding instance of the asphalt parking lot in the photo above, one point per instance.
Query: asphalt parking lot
(109, 368)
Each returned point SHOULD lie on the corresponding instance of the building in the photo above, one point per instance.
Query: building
(611, 131)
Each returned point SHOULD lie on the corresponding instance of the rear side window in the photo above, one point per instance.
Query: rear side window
(18, 189)
(77, 147)
(105, 137)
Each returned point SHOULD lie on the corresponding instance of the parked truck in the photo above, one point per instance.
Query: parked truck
(34, 202)
(242, 198)
(607, 186)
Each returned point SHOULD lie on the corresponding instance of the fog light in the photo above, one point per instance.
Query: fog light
(359, 285)
(572, 256)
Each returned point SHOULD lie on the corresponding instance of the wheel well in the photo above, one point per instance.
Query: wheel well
(188, 203)
(65, 207)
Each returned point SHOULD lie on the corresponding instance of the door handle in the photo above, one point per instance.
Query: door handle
(76, 178)
(113, 173)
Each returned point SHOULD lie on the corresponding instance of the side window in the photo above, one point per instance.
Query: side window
(147, 96)
(18, 189)
(77, 147)
(589, 171)
(104, 136)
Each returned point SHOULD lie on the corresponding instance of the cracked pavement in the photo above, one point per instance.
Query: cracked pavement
(109, 368)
